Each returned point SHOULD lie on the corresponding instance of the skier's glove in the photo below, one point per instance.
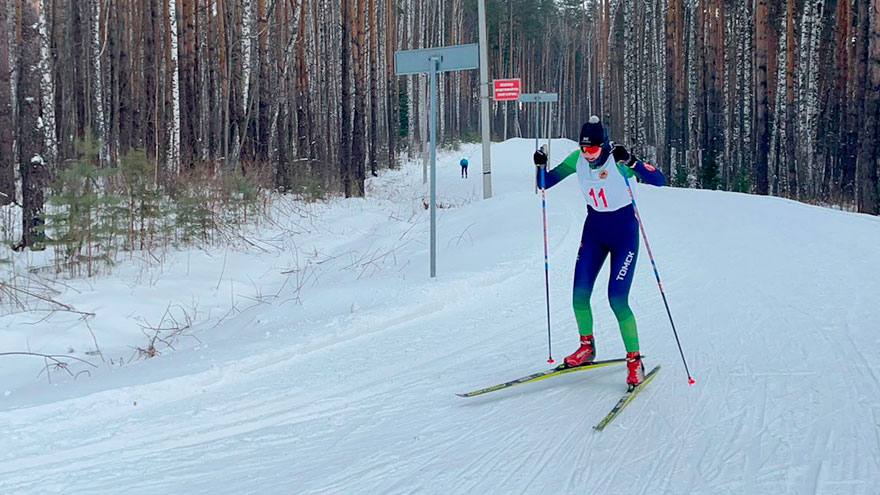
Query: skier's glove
(540, 157)
(621, 155)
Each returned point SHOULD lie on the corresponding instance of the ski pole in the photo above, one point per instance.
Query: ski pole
(632, 197)
(546, 263)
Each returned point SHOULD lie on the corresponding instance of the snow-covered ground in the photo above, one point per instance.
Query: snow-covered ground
(337, 370)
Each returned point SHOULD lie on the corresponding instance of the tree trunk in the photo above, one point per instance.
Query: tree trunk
(790, 116)
(676, 85)
(7, 157)
(243, 113)
(393, 105)
(358, 138)
(304, 118)
(31, 139)
(762, 127)
(869, 156)
(223, 90)
(173, 160)
(47, 86)
(374, 87)
(345, 152)
(261, 120)
(97, 83)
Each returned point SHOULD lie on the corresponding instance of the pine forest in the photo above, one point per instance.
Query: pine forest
(760, 96)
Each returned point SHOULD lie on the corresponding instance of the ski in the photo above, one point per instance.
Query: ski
(543, 375)
(625, 400)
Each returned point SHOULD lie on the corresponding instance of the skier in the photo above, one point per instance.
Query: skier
(464, 165)
(610, 227)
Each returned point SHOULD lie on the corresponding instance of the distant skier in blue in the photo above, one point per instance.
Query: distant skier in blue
(464, 165)
(610, 228)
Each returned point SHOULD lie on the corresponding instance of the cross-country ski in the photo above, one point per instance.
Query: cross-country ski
(543, 375)
(624, 401)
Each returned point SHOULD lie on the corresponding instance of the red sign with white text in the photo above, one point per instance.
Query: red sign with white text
(506, 89)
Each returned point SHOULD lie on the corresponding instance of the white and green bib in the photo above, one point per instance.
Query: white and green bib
(604, 188)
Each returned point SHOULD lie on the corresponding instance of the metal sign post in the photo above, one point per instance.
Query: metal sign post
(539, 98)
(432, 61)
(485, 132)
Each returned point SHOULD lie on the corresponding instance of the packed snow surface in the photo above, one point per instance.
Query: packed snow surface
(344, 380)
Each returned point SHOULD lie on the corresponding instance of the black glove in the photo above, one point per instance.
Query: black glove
(621, 155)
(540, 157)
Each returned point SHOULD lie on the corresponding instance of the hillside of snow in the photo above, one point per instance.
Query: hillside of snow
(337, 370)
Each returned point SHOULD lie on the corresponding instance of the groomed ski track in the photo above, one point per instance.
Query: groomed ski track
(777, 304)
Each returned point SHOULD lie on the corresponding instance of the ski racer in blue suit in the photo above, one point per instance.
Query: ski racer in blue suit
(605, 171)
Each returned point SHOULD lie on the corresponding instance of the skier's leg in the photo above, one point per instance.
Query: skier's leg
(624, 254)
(591, 255)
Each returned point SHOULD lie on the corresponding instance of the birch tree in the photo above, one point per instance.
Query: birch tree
(97, 85)
(174, 70)
(47, 87)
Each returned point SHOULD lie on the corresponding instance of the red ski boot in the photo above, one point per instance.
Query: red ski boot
(585, 354)
(635, 368)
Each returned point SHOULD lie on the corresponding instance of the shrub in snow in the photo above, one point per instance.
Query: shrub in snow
(96, 212)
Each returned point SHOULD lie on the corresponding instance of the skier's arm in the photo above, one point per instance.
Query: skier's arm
(648, 173)
(561, 171)
(632, 166)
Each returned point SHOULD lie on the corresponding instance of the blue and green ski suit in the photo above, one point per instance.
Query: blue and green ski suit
(611, 228)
